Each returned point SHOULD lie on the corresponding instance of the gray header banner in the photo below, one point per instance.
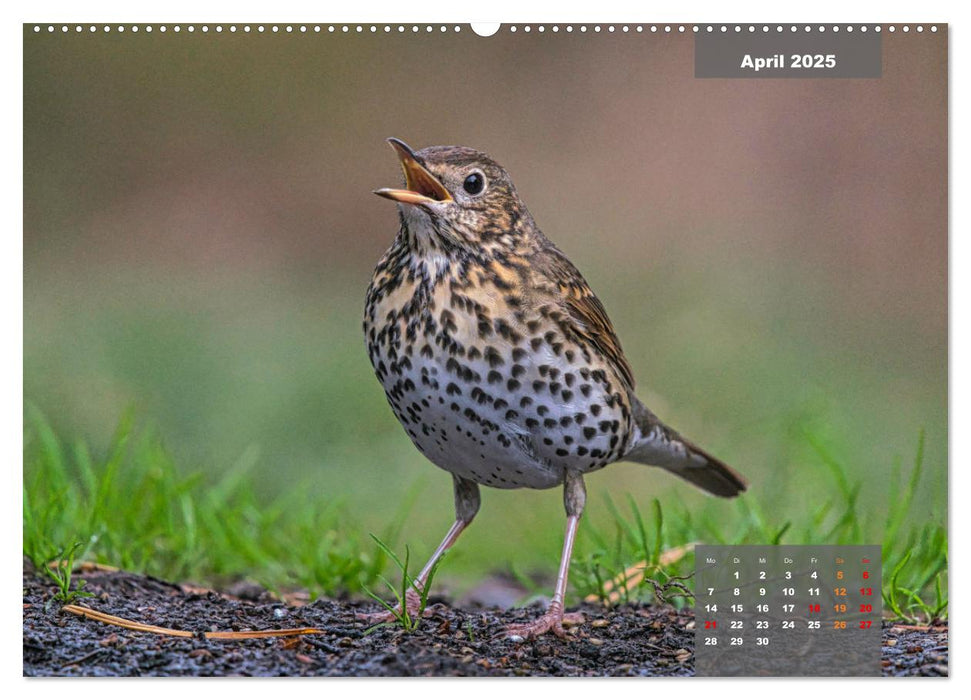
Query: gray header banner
(788, 54)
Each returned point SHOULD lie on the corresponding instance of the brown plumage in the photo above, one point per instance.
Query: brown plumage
(498, 359)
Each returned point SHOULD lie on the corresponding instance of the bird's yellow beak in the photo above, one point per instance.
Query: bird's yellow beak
(421, 187)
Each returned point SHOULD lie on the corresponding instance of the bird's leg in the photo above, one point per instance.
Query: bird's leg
(466, 506)
(574, 498)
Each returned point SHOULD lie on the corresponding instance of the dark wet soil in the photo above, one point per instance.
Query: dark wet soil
(630, 640)
(915, 651)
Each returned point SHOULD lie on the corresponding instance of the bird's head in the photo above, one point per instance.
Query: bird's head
(458, 198)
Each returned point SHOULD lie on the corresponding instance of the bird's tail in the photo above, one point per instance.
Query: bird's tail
(660, 446)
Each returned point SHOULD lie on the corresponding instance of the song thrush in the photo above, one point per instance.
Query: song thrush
(498, 359)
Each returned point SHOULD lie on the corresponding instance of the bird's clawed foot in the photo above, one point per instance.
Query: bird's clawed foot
(553, 620)
(412, 605)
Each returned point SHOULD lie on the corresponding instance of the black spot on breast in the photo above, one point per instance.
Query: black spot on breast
(542, 410)
(518, 354)
(595, 409)
(513, 384)
(447, 319)
(494, 377)
(453, 389)
(566, 395)
(493, 357)
(480, 396)
(589, 433)
(506, 331)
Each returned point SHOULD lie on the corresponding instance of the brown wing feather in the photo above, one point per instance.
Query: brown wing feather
(589, 318)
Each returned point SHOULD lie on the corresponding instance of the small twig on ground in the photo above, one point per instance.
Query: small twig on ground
(635, 574)
(167, 631)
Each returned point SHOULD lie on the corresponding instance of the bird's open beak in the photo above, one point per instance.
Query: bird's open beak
(421, 187)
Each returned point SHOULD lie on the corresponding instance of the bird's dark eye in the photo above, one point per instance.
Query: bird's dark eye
(474, 183)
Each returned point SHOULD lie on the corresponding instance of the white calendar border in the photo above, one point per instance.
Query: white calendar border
(438, 11)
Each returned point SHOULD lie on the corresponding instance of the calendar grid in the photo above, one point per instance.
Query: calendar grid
(788, 610)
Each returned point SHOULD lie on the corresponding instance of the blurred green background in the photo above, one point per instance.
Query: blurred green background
(200, 231)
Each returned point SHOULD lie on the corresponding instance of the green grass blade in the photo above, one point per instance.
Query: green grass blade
(658, 526)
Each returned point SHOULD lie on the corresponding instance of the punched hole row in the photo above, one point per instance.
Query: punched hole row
(526, 28)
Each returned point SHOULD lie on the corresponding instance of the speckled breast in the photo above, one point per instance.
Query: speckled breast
(491, 393)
